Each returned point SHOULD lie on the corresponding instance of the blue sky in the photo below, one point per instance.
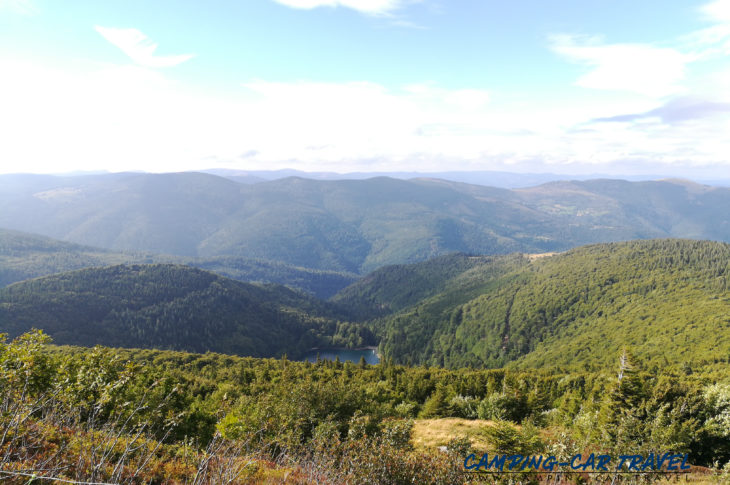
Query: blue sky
(357, 85)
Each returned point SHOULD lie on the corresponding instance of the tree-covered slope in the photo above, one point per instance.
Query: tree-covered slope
(24, 256)
(666, 299)
(318, 282)
(353, 226)
(610, 210)
(393, 288)
(167, 307)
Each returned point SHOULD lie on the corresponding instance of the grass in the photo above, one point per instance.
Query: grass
(432, 433)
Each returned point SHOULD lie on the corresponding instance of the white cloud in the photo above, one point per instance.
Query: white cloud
(132, 117)
(372, 7)
(647, 69)
(139, 47)
(639, 68)
(718, 11)
(468, 99)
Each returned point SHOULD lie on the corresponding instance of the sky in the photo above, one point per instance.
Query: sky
(566, 86)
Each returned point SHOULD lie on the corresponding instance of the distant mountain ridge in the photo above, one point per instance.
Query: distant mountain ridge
(353, 226)
(489, 178)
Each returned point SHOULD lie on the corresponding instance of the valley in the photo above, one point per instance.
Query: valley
(448, 319)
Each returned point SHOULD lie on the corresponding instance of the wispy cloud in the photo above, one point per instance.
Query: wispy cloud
(371, 7)
(648, 69)
(676, 111)
(718, 10)
(639, 68)
(713, 41)
(139, 47)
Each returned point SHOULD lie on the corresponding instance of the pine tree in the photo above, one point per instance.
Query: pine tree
(621, 414)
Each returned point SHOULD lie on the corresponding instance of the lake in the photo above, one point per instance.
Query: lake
(352, 355)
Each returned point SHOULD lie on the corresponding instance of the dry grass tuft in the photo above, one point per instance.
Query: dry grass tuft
(432, 433)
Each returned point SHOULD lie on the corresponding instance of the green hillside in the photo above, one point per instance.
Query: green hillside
(577, 309)
(668, 300)
(352, 226)
(24, 256)
(393, 288)
(318, 282)
(169, 307)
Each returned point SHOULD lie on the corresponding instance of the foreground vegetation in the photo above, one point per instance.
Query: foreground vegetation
(134, 416)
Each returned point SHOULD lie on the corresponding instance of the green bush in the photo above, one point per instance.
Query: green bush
(501, 406)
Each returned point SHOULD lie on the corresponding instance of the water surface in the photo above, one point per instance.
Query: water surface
(370, 354)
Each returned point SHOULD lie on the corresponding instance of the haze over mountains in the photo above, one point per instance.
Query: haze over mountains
(353, 226)
(489, 178)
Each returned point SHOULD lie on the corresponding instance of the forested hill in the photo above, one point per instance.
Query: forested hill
(353, 226)
(24, 256)
(321, 283)
(169, 307)
(668, 300)
(454, 277)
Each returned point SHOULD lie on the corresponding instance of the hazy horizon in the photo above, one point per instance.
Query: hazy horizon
(493, 178)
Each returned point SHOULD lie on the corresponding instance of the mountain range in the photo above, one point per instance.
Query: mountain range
(490, 178)
(436, 272)
(352, 226)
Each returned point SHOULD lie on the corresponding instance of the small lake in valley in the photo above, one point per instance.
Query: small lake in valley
(352, 355)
